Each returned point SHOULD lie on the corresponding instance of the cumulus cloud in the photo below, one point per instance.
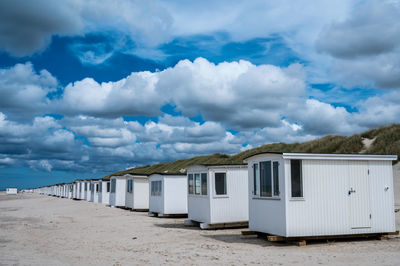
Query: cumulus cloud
(240, 94)
(23, 92)
(27, 26)
(134, 95)
(366, 46)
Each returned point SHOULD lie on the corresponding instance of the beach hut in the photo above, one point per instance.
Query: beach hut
(137, 192)
(70, 190)
(320, 195)
(168, 194)
(217, 195)
(75, 189)
(83, 189)
(118, 191)
(105, 188)
(96, 191)
(11, 191)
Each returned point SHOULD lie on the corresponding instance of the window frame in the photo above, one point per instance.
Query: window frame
(111, 186)
(200, 173)
(156, 188)
(273, 196)
(226, 195)
(129, 185)
(291, 197)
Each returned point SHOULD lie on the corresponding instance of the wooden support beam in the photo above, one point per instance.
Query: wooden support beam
(393, 233)
(302, 243)
(248, 233)
(276, 238)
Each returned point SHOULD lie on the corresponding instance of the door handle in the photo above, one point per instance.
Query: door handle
(351, 191)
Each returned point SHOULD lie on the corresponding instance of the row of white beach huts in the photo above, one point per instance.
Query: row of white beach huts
(281, 194)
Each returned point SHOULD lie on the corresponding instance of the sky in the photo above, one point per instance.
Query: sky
(91, 87)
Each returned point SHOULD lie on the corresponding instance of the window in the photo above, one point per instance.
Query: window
(197, 184)
(296, 178)
(220, 183)
(113, 185)
(85, 186)
(156, 188)
(203, 184)
(256, 177)
(265, 179)
(108, 186)
(130, 186)
(101, 186)
(190, 183)
(275, 171)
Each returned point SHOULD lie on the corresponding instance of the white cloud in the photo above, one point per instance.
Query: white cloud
(23, 91)
(366, 46)
(239, 94)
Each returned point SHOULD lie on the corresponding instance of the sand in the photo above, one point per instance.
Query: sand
(43, 230)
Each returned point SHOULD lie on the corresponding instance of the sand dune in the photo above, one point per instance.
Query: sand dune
(42, 230)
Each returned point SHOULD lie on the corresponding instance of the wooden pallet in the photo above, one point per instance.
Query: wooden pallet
(302, 240)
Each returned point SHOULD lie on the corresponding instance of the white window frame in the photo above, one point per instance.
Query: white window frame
(129, 185)
(258, 194)
(226, 181)
(302, 198)
(194, 184)
(156, 188)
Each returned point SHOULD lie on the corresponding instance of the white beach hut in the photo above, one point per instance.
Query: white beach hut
(88, 193)
(306, 195)
(96, 192)
(168, 194)
(83, 189)
(217, 195)
(137, 192)
(70, 190)
(75, 192)
(105, 188)
(11, 191)
(118, 191)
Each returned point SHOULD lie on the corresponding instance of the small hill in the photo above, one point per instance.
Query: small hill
(386, 140)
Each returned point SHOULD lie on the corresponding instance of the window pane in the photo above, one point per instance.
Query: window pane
(113, 184)
(265, 179)
(220, 183)
(256, 177)
(100, 186)
(275, 167)
(108, 186)
(190, 181)
(159, 188)
(296, 178)
(204, 184)
(197, 183)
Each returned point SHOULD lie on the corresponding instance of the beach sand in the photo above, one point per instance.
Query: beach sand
(43, 230)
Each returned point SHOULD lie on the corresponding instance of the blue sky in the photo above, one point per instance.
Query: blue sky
(88, 88)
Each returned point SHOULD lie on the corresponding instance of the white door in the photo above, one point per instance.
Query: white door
(359, 195)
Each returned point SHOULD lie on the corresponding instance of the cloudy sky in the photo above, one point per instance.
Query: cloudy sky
(90, 87)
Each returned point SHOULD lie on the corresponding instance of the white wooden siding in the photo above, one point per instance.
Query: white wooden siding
(156, 203)
(105, 196)
(140, 193)
(174, 192)
(267, 214)
(235, 206)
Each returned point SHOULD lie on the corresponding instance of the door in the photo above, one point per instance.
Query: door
(359, 195)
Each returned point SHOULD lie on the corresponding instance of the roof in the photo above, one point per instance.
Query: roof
(218, 165)
(330, 156)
